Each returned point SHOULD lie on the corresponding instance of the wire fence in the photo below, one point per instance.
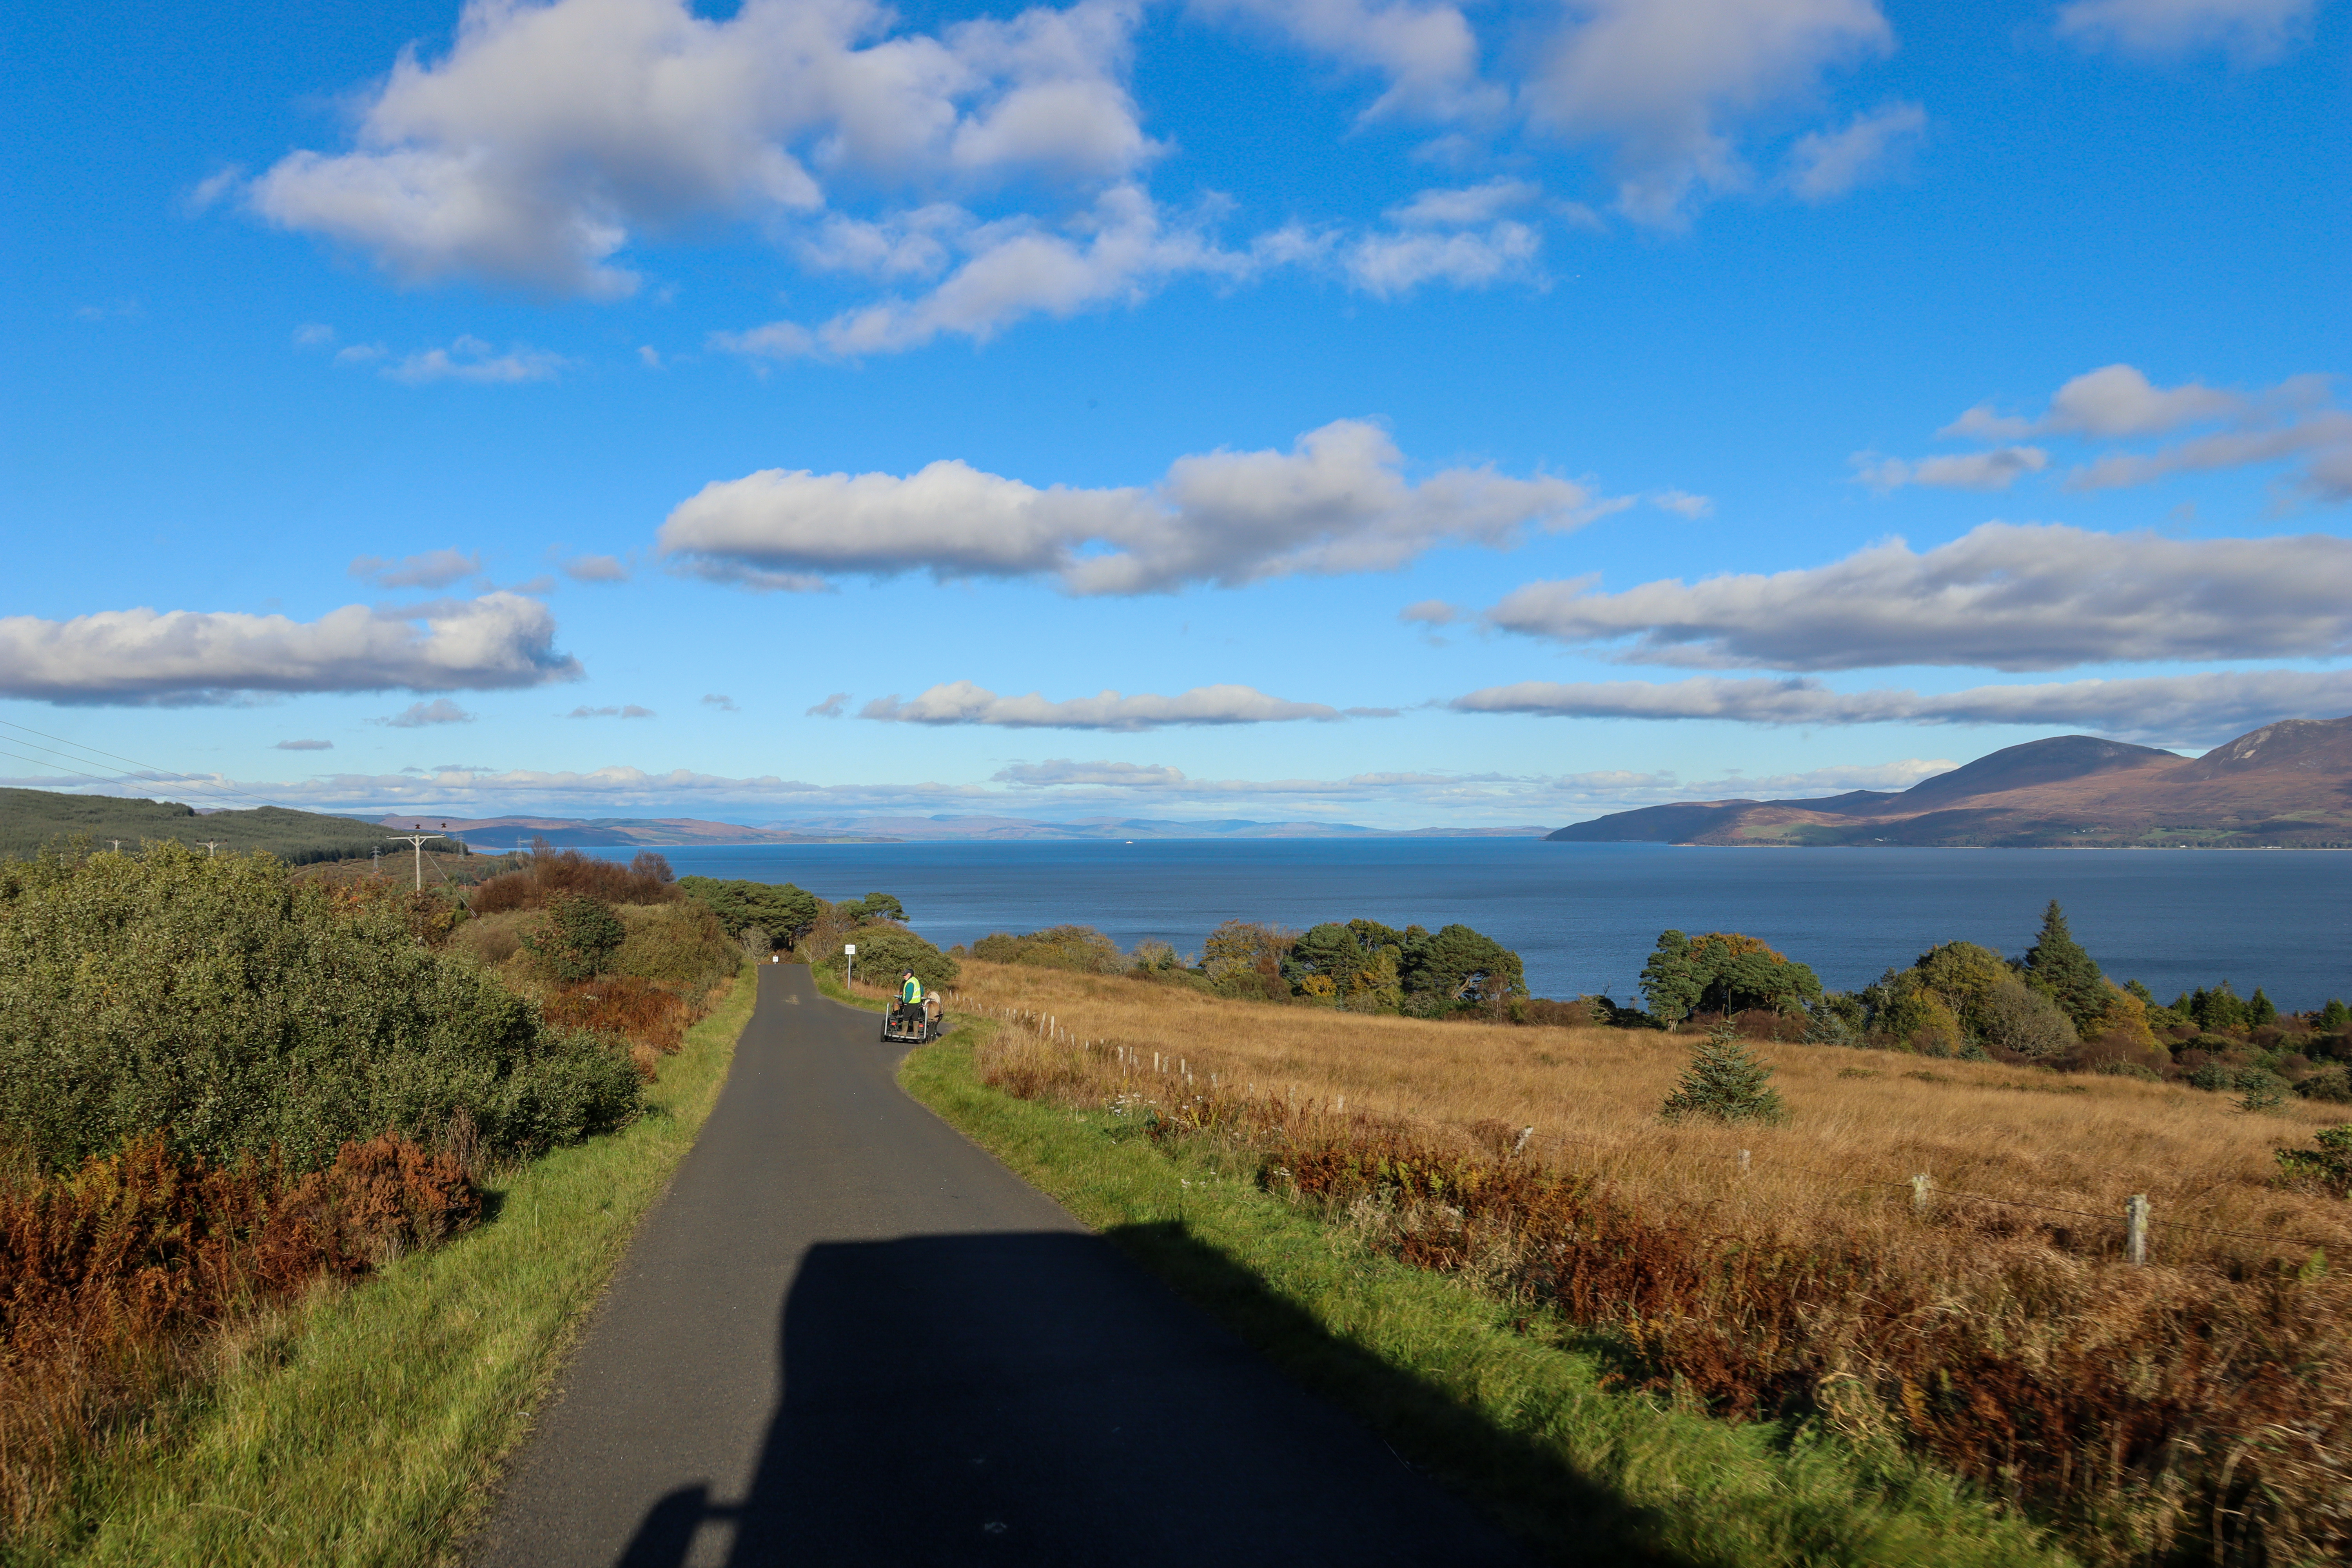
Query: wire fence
(2138, 1216)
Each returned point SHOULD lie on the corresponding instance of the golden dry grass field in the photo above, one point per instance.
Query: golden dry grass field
(2199, 1403)
(2071, 1142)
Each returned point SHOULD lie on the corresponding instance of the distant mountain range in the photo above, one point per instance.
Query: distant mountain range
(492, 834)
(1021, 827)
(2286, 785)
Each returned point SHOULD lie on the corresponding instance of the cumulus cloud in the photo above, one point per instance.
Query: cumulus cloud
(1430, 612)
(1682, 503)
(1386, 265)
(2325, 434)
(1994, 471)
(2246, 29)
(550, 135)
(725, 704)
(1061, 773)
(1427, 52)
(471, 359)
(1826, 164)
(630, 712)
(1118, 252)
(1338, 501)
(2119, 403)
(594, 569)
(434, 569)
(305, 746)
(1663, 84)
(2188, 709)
(963, 702)
(419, 715)
(828, 708)
(144, 655)
(2003, 595)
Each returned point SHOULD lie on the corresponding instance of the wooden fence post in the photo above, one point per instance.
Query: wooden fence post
(1920, 1187)
(2136, 1230)
(1743, 1162)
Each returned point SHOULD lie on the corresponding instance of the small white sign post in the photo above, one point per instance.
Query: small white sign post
(849, 971)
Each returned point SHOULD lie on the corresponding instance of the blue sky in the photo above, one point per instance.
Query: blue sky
(1409, 414)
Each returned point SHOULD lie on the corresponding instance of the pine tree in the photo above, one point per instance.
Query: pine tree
(1725, 1081)
(2057, 966)
(2261, 1009)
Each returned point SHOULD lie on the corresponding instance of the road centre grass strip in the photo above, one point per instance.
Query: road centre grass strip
(369, 1426)
(1520, 1417)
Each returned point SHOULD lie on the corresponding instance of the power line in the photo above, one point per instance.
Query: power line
(164, 775)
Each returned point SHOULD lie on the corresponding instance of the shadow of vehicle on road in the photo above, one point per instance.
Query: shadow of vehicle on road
(1008, 1397)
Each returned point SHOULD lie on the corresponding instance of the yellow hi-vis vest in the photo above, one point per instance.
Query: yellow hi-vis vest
(912, 990)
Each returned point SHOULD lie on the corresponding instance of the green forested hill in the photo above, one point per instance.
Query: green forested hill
(31, 817)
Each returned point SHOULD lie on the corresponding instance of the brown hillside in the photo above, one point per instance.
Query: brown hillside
(2287, 785)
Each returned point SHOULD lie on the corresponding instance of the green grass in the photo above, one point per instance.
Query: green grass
(1517, 1415)
(369, 1426)
(30, 818)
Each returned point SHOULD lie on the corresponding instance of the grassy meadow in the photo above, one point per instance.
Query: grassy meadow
(2195, 1407)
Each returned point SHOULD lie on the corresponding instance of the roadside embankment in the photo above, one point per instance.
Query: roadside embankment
(366, 1425)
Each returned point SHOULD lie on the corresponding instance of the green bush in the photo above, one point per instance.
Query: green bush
(241, 1010)
(680, 945)
(1081, 948)
(883, 950)
(2328, 1165)
(779, 909)
(577, 939)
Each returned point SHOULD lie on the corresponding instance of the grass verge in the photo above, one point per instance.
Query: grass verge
(1517, 1415)
(367, 1425)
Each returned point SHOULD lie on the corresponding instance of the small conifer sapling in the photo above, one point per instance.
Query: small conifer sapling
(1725, 1083)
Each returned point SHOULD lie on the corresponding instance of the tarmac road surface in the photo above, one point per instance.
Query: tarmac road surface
(846, 1335)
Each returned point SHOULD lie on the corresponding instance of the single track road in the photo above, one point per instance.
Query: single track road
(848, 1336)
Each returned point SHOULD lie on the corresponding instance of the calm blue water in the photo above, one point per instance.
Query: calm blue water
(1583, 916)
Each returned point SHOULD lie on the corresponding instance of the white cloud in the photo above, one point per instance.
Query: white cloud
(2166, 710)
(1118, 252)
(419, 715)
(828, 708)
(1386, 265)
(2118, 403)
(1826, 164)
(1993, 471)
(1466, 207)
(1664, 82)
(2003, 595)
(550, 135)
(1058, 789)
(2247, 29)
(630, 712)
(1062, 773)
(1684, 504)
(471, 359)
(305, 746)
(314, 335)
(594, 569)
(1430, 612)
(963, 702)
(720, 701)
(434, 569)
(2326, 434)
(1338, 501)
(143, 656)
(1427, 52)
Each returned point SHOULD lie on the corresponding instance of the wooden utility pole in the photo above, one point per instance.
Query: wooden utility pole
(416, 842)
(211, 845)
